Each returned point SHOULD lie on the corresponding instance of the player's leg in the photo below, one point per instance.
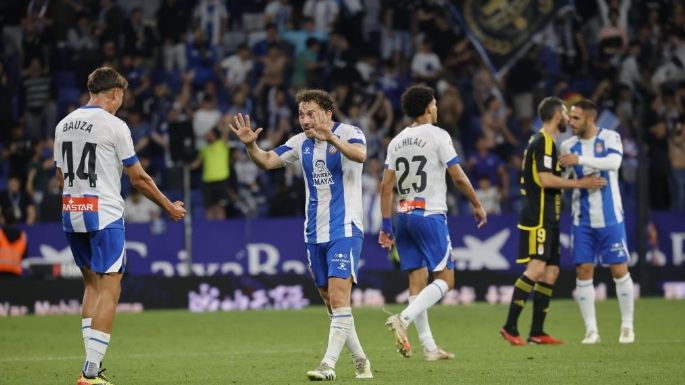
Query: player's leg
(418, 279)
(583, 251)
(626, 301)
(615, 253)
(422, 241)
(524, 284)
(585, 296)
(542, 295)
(89, 304)
(342, 260)
(108, 257)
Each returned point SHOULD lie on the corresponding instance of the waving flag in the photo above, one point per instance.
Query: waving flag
(503, 30)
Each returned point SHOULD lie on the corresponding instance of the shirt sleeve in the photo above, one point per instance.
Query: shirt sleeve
(354, 135)
(123, 144)
(448, 155)
(613, 143)
(56, 153)
(390, 158)
(542, 151)
(289, 152)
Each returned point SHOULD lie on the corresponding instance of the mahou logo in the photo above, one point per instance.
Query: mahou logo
(79, 204)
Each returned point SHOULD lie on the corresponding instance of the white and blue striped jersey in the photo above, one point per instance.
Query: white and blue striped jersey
(601, 156)
(333, 184)
(91, 147)
(420, 156)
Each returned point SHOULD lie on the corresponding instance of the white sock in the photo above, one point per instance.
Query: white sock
(626, 299)
(353, 344)
(428, 297)
(424, 329)
(585, 296)
(85, 330)
(341, 324)
(97, 347)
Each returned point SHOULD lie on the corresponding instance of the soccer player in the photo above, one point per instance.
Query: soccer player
(598, 234)
(331, 155)
(91, 148)
(539, 223)
(416, 161)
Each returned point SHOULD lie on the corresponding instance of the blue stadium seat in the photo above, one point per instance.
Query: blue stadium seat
(68, 95)
(65, 79)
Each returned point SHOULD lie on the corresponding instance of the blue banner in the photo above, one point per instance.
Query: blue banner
(502, 31)
(276, 246)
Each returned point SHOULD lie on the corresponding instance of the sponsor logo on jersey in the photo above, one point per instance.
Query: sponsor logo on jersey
(80, 204)
(321, 175)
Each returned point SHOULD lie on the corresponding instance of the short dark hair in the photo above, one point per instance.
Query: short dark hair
(416, 99)
(548, 107)
(320, 97)
(104, 79)
(586, 105)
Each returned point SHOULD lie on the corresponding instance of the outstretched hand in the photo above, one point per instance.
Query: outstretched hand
(241, 128)
(323, 130)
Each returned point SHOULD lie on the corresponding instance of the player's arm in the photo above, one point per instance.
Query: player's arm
(549, 180)
(352, 151)
(386, 236)
(461, 181)
(610, 162)
(60, 178)
(265, 160)
(146, 185)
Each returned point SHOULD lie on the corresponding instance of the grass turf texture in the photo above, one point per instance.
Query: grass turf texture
(278, 347)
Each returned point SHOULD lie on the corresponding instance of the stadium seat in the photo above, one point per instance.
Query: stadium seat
(65, 79)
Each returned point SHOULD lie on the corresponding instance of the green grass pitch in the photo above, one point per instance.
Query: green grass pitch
(278, 347)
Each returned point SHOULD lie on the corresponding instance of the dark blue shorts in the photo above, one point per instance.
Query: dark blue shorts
(101, 251)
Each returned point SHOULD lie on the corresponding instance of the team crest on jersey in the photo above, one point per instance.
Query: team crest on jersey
(599, 147)
(332, 150)
(321, 175)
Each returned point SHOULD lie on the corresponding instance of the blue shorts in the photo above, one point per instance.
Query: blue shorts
(339, 258)
(423, 242)
(605, 245)
(100, 251)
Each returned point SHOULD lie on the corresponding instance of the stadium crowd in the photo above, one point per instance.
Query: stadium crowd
(191, 65)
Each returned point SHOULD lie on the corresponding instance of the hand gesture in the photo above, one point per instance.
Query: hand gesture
(385, 240)
(480, 215)
(243, 130)
(592, 182)
(568, 160)
(323, 130)
(176, 212)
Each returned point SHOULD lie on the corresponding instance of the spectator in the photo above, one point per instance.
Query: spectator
(17, 202)
(324, 12)
(13, 246)
(485, 164)
(489, 196)
(298, 38)
(279, 13)
(50, 208)
(214, 159)
(676, 151)
(137, 209)
(172, 22)
(139, 39)
(205, 119)
(236, 68)
(211, 16)
(425, 66)
(40, 111)
(307, 69)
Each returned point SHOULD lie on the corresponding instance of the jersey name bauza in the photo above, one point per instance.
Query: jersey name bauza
(420, 156)
(91, 147)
